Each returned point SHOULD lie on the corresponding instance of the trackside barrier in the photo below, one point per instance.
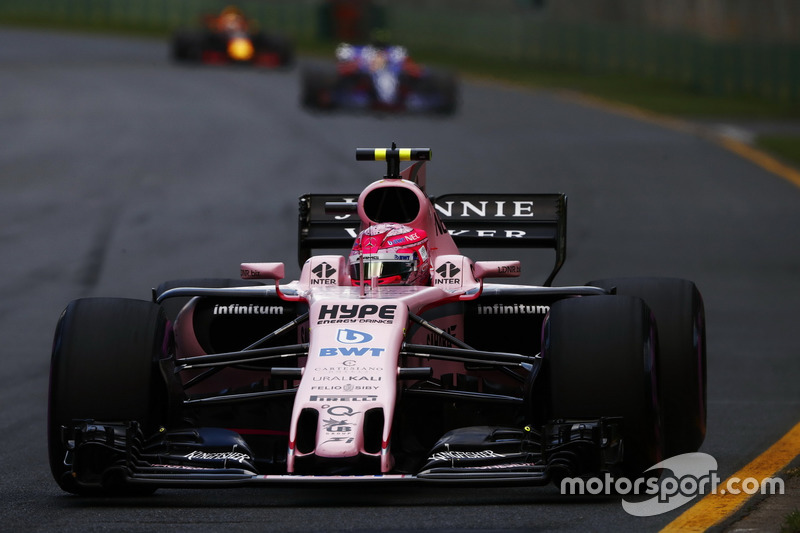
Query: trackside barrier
(528, 33)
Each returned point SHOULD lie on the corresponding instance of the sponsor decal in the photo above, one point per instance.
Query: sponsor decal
(410, 237)
(348, 366)
(352, 313)
(504, 466)
(352, 336)
(218, 456)
(448, 273)
(485, 208)
(183, 467)
(513, 309)
(332, 425)
(455, 455)
(509, 269)
(340, 350)
(432, 339)
(324, 270)
(508, 233)
(346, 378)
(340, 410)
(251, 309)
(340, 428)
(324, 273)
(346, 387)
(344, 398)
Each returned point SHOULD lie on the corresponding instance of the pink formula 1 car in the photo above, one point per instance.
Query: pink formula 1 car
(397, 360)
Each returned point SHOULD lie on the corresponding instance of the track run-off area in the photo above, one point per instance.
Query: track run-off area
(120, 169)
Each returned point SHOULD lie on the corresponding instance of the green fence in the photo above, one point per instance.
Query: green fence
(768, 70)
(296, 18)
(527, 38)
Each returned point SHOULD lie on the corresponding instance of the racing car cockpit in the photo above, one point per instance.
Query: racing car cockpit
(390, 254)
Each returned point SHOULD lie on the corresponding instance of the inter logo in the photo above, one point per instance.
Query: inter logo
(448, 270)
(324, 270)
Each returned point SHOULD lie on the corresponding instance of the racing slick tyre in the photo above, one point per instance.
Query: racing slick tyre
(104, 368)
(278, 45)
(172, 306)
(600, 355)
(445, 87)
(186, 47)
(318, 87)
(680, 317)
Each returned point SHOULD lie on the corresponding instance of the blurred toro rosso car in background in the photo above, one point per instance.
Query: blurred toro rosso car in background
(229, 38)
(378, 78)
(396, 361)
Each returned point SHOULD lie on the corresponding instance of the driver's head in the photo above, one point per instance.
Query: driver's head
(390, 254)
(232, 19)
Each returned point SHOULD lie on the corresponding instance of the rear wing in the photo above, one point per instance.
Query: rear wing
(473, 220)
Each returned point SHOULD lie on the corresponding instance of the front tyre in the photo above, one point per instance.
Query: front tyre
(680, 315)
(318, 88)
(104, 368)
(600, 356)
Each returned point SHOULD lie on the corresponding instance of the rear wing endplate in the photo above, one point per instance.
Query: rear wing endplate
(473, 220)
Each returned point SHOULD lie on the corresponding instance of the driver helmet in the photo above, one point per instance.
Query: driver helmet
(232, 19)
(392, 254)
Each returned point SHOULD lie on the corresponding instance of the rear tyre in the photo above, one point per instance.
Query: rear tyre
(600, 355)
(104, 368)
(678, 308)
(186, 47)
(318, 87)
(445, 86)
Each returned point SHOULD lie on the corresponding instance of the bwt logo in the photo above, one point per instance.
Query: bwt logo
(338, 311)
(329, 352)
(351, 336)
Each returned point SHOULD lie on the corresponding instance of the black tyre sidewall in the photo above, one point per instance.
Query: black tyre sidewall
(316, 81)
(103, 367)
(600, 356)
(680, 316)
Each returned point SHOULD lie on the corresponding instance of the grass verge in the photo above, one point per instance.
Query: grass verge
(667, 98)
(791, 524)
(786, 147)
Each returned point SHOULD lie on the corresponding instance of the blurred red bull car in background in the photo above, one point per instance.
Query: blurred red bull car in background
(230, 38)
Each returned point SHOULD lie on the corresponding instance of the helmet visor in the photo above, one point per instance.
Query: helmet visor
(382, 269)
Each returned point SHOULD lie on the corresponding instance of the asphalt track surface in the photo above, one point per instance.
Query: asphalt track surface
(119, 170)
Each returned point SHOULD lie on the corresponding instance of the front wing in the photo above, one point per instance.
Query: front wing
(461, 457)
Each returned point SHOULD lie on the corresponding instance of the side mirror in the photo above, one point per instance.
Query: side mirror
(496, 269)
(262, 271)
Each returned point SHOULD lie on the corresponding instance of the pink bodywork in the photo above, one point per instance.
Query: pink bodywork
(356, 333)
(354, 345)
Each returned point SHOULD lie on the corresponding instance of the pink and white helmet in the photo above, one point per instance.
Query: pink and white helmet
(391, 254)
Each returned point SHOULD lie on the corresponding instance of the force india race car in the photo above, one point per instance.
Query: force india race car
(230, 39)
(378, 78)
(227, 382)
